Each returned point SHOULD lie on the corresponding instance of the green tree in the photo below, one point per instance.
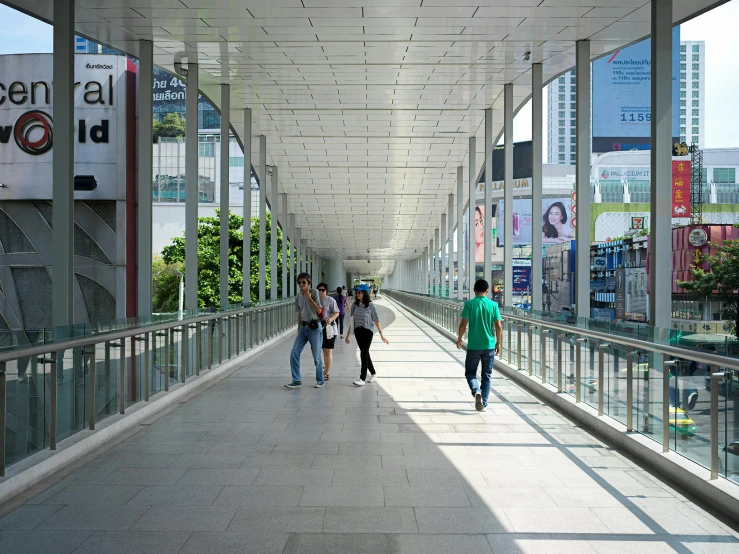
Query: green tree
(721, 279)
(166, 285)
(209, 288)
(171, 126)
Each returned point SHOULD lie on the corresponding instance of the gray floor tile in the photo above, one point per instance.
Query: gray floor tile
(235, 542)
(260, 496)
(426, 496)
(149, 476)
(140, 542)
(342, 496)
(306, 448)
(25, 518)
(509, 497)
(354, 462)
(42, 542)
(186, 518)
(278, 461)
(370, 520)
(278, 519)
(541, 543)
(320, 477)
(554, 520)
(93, 518)
(134, 459)
(416, 461)
(209, 461)
(177, 495)
(328, 543)
(345, 477)
(218, 477)
(439, 544)
(462, 520)
(99, 495)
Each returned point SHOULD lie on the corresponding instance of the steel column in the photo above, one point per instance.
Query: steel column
(285, 227)
(487, 272)
(536, 182)
(472, 191)
(442, 257)
(275, 210)
(508, 194)
(246, 261)
(191, 188)
(224, 191)
(262, 218)
(144, 179)
(460, 234)
(582, 171)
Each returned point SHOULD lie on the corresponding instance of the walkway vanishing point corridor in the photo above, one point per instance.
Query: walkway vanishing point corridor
(401, 466)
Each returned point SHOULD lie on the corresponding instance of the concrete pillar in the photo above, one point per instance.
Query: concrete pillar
(275, 209)
(472, 184)
(488, 264)
(63, 165)
(225, 179)
(582, 177)
(436, 268)
(460, 234)
(660, 273)
(292, 274)
(144, 180)
(508, 194)
(285, 228)
(536, 183)
(442, 257)
(263, 180)
(191, 188)
(246, 261)
(450, 248)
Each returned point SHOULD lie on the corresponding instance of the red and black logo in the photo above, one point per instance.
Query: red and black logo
(30, 123)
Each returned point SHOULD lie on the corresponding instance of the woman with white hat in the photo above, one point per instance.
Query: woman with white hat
(363, 316)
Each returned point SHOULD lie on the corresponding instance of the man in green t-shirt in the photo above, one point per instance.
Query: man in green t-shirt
(483, 316)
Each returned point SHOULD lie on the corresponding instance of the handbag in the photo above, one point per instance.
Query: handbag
(330, 333)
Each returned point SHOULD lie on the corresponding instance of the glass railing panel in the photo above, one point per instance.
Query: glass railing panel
(71, 397)
(690, 411)
(615, 371)
(728, 430)
(107, 397)
(27, 409)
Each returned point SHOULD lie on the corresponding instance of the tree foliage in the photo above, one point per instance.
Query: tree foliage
(209, 289)
(166, 285)
(721, 279)
(171, 126)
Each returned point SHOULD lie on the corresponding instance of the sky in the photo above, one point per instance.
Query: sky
(20, 33)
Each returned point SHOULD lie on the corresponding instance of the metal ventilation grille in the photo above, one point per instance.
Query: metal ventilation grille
(46, 211)
(105, 210)
(11, 236)
(99, 302)
(33, 287)
(85, 247)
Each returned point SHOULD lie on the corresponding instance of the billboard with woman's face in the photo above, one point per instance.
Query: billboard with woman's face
(554, 224)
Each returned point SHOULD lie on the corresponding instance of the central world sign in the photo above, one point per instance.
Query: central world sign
(27, 131)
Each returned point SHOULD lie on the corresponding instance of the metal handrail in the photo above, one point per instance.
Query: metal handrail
(605, 341)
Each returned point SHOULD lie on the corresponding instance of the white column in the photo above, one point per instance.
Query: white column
(246, 261)
(660, 274)
(488, 266)
(63, 165)
(285, 226)
(536, 183)
(582, 173)
(450, 243)
(442, 257)
(275, 209)
(460, 234)
(298, 254)
(263, 180)
(508, 194)
(225, 179)
(436, 268)
(144, 180)
(191, 188)
(472, 155)
(292, 255)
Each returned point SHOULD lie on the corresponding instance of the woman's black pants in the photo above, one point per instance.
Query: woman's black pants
(364, 341)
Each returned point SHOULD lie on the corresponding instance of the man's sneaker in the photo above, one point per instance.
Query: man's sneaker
(372, 378)
(294, 385)
(358, 382)
(318, 385)
(484, 409)
(478, 402)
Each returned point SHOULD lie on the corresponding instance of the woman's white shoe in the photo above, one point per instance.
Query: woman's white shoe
(372, 378)
(359, 382)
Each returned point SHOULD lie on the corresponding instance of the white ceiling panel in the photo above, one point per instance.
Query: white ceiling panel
(367, 105)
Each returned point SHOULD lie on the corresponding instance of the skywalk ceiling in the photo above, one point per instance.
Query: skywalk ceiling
(367, 105)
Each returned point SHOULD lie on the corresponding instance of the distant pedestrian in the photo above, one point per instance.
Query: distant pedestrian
(483, 341)
(309, 309)
(342, 302)
(363, 316)
(328, 322)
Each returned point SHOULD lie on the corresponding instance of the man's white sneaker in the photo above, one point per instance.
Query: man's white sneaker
(359, 382)
(372, 378)
(478, 402)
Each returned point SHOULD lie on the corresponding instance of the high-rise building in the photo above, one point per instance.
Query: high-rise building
(692, 91)
(561, 103)
(84, 46)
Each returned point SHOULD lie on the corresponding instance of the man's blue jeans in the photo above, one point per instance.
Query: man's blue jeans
(473, 358)
(315, 338)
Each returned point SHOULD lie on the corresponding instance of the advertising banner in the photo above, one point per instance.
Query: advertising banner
(169, 94)
(27, 132)
(680, 188)
(554, 223)
(480, 234)
(521, 275)
(604, 314)
(621, 293)
(622, 97)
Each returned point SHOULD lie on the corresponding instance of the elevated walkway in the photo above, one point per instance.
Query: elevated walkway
(401, 466)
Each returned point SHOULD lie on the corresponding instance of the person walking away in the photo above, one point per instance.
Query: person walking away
(328, 322)
(308, 307)
(343, 303)
(363, 314)
(483, 317)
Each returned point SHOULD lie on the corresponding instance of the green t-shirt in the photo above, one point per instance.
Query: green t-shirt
(482, 313)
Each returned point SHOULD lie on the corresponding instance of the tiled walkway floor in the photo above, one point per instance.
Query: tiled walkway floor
(401, 466)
